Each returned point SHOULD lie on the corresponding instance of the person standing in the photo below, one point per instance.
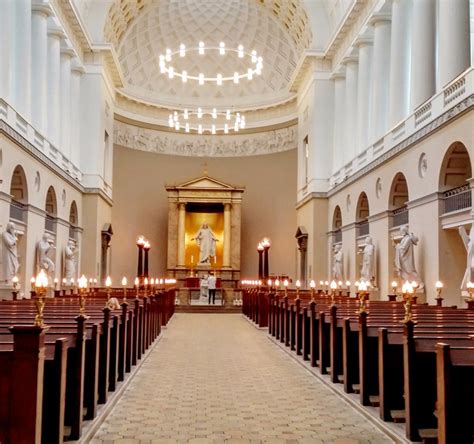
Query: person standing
(211, 285)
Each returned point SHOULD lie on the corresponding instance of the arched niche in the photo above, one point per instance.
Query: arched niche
(51, 208)
(19, 193)
(398, 200)
(337, 224)
(362, 215)
(73, 220)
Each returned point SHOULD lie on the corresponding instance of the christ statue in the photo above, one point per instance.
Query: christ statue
(206, 240)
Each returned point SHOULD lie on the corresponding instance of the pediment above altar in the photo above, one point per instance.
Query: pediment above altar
(204, 183)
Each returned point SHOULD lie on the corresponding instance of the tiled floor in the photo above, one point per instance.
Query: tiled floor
(214, 379)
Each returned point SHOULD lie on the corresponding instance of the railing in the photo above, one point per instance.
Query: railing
(49, 223)
(457, 199)
(400, 216)
(17, 211)
(363, 228)
(338, 236)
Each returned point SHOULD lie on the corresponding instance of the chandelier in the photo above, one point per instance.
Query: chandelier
(191, 121)
(255, 63)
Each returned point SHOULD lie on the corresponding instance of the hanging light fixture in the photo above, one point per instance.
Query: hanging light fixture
(255, 63)
(221, 121)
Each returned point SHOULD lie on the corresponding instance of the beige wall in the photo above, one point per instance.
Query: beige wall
(141, 207)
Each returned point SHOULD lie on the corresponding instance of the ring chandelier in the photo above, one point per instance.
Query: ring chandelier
(232, 121)
(255, 63)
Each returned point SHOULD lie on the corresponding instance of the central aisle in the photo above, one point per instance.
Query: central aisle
(214, 379)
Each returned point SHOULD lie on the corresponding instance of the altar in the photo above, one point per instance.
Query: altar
(206, 203)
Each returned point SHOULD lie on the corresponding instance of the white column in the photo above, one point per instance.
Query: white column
(380, 76)
(54, 47)
(21, 62)
(453, 39)
(400, 61)
(77, 71)
(364, 83)
(350, 109)
(6, 21)
(423, 57)
(181, 234)
(39, 71)
(339, 99)
(65, 107)
(227, 231)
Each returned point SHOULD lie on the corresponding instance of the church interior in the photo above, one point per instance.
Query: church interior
(236, 221)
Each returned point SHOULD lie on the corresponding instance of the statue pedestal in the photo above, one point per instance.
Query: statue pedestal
(6, 292)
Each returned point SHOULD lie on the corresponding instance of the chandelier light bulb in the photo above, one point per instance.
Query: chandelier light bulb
(221, 48)
(200, 129)
(219, 79)
(186, 114)
(199, 113)
(242, 122)
(162, 68)
(168, 55)
(182, 50)
(226, 128)
(201, 78)
(249, 74)
(254, 56)
(175, 116)
(236, 126)
(240, 51)
(214, 113)
(227, 114)
(201, 48)
(184, 76)
(213, 129)
(170, 72)
(170, 121)
(176, 126)
(187, 127)
(236, 77)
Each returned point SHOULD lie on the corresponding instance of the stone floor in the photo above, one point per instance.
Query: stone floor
(217, 379)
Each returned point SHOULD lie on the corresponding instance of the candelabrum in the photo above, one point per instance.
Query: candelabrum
(439, 290)
(124, 285)
(312, 285)
(82, 295)
(407, 291)
(363, 295)
(333, 292)
(41, 284)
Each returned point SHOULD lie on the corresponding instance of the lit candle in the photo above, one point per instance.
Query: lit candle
(33, 282)
(108, 282)
(15, 282)
(124, 281)
(136, 282)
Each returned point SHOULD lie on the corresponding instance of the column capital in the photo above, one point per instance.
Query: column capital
(56, 32)
(77, 67)
(350, 59)
(39, 7)
(181, 205)
(227, 206)
(379, 18)
(363, 41)
(67, 51)
(338, 75)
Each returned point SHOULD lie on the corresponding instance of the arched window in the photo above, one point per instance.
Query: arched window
(51, 210)
(362, 215)
(73, 220)
(454, 174)
(19, 192)
(337, 224)
(398, 200)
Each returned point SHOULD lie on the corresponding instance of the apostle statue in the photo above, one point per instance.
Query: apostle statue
(10, 263)
(206, 240)
(45, 255)
(405, 257)
(367, 271)
(70, 260)
(469, 244)
(337, 273)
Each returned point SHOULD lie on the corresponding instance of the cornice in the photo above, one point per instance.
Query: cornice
(310, 197)
(449, 115)
(100, 193)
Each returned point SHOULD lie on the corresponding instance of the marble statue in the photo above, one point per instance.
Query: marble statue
(10, 263)
(405, 257)
(70, 260)
(337, 272)
(367, 271)
(468, 241)
(206, 240)
(45, 255)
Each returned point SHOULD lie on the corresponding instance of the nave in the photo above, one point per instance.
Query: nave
(216, 378)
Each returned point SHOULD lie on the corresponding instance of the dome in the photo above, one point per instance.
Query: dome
(277, 30)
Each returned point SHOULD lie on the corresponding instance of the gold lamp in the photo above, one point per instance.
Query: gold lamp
(82, 283)
(41, 284)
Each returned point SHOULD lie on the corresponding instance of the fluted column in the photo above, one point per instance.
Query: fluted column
(39, 58)
(453, 37)
(6, 21)
(227, 234)
(21, 61)
(350, 109)
(65, 107)
(364, 82)
(380, 75)
(181, 233)
(339, 98)
(77, 72)
(423, 57)
(53, 89)
(400, 61)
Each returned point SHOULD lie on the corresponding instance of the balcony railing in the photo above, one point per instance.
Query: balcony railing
(400, 216)
(457, 199)
(49, 223)
(363, 228)
(17, 211)
(338, 236)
